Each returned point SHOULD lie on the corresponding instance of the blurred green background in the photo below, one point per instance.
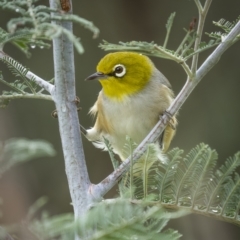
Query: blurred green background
(210, 115)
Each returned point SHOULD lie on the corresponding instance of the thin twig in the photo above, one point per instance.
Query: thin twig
(202, 12)
(12, 86)
(187, 47)
(199, 5)
(183, 42)
(169, 28)
(26, 95)
(31, 76)
(200, 50)
(183, 63)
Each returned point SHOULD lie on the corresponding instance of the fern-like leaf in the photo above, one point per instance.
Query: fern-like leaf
(189, 166)
(123, 219)
(35, 26)
(151, 49)
(231, 197)
(166, 174)
(15, 151)
(226, 26)
(217, 184)
(19, 71)
(169, 27)
(191, 182)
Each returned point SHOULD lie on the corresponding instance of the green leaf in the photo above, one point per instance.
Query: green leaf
(15, 151)
(169, 27)
(226, 26)
(122, 219)
(20, 71)
(151, 49)
(36, 25)
(192, 182)
(4, 103)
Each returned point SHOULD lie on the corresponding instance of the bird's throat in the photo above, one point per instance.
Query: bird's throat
(116, 90)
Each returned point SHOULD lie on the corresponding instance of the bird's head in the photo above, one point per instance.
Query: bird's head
(123, 74)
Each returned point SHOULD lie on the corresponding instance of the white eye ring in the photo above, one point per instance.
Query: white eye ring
(119, 70)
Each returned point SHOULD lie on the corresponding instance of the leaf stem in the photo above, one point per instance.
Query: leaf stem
(183, 42)
(31, 76)
(131, 169)
(169, 28)
(12, 86)
(145, 173)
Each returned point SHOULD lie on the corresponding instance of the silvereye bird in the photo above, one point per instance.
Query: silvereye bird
(134, 95)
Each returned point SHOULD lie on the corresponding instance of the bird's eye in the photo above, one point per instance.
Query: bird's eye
(119, 70)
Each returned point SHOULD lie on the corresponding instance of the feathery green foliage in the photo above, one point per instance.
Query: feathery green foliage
(23, 40)
(191, 182)
(140, 181)
(181, 55)
(123, 219)
(151, 49)
(226, 26)
(15, 151)
(185, 50)
(19, 71)
(169, 27)
(35, 25)
(22, 87)
(221, 184)
(114, 161)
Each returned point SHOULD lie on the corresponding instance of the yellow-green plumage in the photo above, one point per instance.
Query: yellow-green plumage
(134, 80)
(133, 98)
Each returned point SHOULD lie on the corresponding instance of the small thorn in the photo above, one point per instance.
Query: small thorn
(54, 114)
(192, 24)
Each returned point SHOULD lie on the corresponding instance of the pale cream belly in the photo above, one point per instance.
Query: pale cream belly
(131, 121)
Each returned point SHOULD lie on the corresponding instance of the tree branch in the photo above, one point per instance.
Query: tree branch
(202, 13)
(64, 97)
(27, 95)
(42, 83)
(103, 187)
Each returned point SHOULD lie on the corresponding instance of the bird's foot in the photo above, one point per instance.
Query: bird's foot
(169, 119)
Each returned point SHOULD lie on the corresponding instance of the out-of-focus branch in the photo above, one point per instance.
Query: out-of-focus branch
(30, 75)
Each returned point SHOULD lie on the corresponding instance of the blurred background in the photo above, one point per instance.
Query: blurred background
(210, 115)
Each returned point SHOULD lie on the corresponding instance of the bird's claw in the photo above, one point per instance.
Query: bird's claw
(77, 101)
(54, 113)
(169, 119)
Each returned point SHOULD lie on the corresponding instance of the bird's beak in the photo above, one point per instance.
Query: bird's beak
(96, 76)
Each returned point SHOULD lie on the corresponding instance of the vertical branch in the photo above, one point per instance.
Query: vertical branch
(202, 13)
(64, 97)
